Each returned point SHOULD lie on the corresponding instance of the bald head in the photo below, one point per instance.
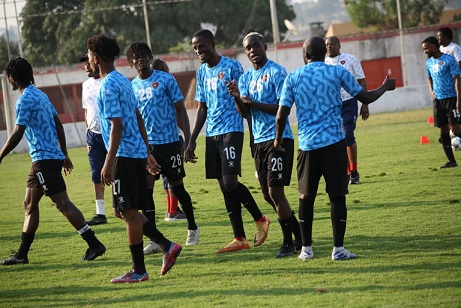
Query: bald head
(314, 49)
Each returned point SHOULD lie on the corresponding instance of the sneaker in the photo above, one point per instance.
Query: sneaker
(342, 254)
(13, 260)
(176, 216)
(92, 254)
(261, 231)
(306, 254)
(286, 250)
(97, 220)
(151, 248)
(169, 258)
(131, 276)
(450, 164)
(354, 177)
(234, 246)
(192, 237)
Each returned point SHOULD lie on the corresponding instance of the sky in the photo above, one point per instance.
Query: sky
(8, 7)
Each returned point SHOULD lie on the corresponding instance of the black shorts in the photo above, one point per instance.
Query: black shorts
(169, 157)
(445, 112)
(47, 175)
(331, 162)
(223, 155)
(130, 183)
(274, 168)
(96, 154)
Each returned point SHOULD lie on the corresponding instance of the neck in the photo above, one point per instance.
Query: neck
(437, 55)
(260, 64)
(145, 74)
(105, 69)
(214, 60)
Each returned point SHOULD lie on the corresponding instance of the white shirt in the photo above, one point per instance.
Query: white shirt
(352, 64)
(90, 91)
(452, 49)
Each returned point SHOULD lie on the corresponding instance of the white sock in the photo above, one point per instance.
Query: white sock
(100, 207)
(84, 229)
(307, 248)
(338, 248)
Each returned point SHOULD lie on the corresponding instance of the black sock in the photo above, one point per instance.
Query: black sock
(149, 230)
(246, 198)
(446, 144)
(26, 241)
(306, 217)
(234, 210)
(186, 205)
(338, 219)
(137, 256)
(295, 227)
(285, 224)
(149, 210)
(90, 238)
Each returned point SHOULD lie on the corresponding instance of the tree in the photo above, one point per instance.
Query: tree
(382, 14)
(14, 51)
(55, 31)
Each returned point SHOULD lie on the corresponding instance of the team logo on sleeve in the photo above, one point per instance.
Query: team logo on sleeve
(155, 85)
(221, 76)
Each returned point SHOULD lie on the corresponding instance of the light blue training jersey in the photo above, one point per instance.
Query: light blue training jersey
(316, 90)
(264, 86)
(35, 111)
(116, 100)
(222, 114)
(442, 71)
(156, 97)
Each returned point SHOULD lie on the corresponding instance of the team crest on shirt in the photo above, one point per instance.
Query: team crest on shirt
(342, 62)
(221, 76)
(441, 63)
(155, 85)
(265, 77)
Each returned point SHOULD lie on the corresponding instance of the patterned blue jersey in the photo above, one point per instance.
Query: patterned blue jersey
(264, 86)
(156, 97)
(316, 90)
(116, 100)
(222, 114)
(442, 71)
(35, 111)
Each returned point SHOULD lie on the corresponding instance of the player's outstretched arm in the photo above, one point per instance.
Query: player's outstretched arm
(368, 97)
(13, 141)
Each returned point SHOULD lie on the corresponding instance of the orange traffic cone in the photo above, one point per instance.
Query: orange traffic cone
(430, 120)
(423, 140)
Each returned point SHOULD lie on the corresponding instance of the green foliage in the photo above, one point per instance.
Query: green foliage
(14, 52)
(55, 31)
(382, 14)
(403, 223)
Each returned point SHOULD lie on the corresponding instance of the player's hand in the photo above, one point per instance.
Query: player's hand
(278, 145)
(190, 156)
(232, 88)
(364, 112)
(67, 166)
(152, 166)
(106, 173)
(389, 83)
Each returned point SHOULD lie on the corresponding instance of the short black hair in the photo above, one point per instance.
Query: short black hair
(204, 33)
(446, 32)
(21, 72)
(104, 47)
(431, 40)
(136, 49)
(254, 34)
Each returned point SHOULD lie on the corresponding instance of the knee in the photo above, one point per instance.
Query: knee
(230, 186)
(267, 197)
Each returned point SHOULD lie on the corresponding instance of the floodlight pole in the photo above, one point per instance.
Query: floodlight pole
(275, 27)
(402, 49)
(19, 30)
(146, 22)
